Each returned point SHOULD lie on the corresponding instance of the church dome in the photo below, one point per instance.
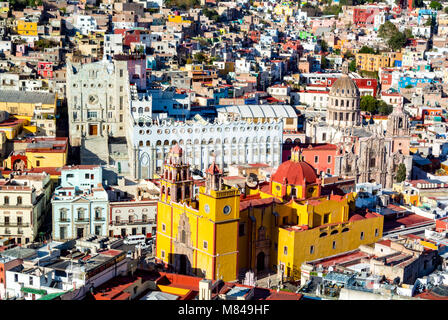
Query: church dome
(343, 108)
(344, 87)
(295, 173)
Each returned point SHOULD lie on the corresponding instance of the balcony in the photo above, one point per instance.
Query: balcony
(82, 220)
(134, 222)
(64, 220)
(100, 219)
(14, 224)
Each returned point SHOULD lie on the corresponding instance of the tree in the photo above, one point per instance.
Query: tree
(368, 103)
(323, 46)
(430, 22)
(445, 10)
(408, 33)
(384, 109)
(401, 173)
(352, 66)
(366, 49)
(211, 14)
(375, 106)
(417, 3)
(199, 57)
(348, 55)
(397, 41)
(435, 5)
(332, 10)
(324, 63)
(387, 30)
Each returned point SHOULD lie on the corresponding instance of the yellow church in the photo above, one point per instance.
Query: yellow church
(273, 227)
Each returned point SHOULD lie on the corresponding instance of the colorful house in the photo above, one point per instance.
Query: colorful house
(80, 203)
(27, 28)
(177, 19)
(39, 152)
(45, 69)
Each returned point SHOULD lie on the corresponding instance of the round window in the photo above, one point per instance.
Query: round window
(278, 188)
(226, 210)
(207, 208)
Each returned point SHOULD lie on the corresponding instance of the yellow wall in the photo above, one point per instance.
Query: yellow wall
(46, 159)
(220, 257)
(12, 131)
(173, 290)
(26, 28)
(372, 62)
(4, 9)
(24, 109)
(299, 242)
(177, 19)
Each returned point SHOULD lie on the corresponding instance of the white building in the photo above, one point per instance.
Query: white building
(422, 31)
(113, 44)
(317, 99)
(97, 97)
(261, 113)
(85, 24)
(232, 142)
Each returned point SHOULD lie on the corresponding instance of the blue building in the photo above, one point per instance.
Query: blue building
(80, 203)
(367, 194)
(413, 81)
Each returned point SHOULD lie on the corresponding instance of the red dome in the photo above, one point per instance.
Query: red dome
(295, 172)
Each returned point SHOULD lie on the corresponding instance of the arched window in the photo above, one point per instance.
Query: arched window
(183, 238)
(6, 200)
(168, 191)
(19, 200)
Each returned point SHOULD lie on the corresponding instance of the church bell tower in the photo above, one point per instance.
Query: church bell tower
(176, 182)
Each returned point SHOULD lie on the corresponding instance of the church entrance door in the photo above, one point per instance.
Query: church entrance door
(260, 261)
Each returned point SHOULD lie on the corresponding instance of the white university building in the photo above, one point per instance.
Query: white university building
(230, 141)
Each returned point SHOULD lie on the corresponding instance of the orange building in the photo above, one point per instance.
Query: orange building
(320, 156)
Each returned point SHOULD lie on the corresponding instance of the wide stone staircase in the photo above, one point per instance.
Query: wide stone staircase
(95, 151)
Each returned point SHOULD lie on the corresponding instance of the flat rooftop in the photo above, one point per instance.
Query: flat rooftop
(27, 97)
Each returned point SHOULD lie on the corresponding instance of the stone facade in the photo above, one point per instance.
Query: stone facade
(367, 153)
(97, 97)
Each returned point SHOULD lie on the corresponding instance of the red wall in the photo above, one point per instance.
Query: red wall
(322, 164)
